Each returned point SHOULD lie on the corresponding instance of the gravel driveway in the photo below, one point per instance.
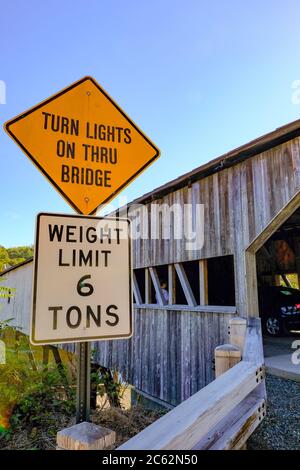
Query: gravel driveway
(280, 430)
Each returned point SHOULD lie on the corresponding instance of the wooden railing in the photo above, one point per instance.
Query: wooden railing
(223, 414)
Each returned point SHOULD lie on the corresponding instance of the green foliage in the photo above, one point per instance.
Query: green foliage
(112, 387)
(32, 397)
(24, 252)
(6, 292)
(104, 381)
(16, 379)
(5, 323)
(15, 261)
(40, 405)
(4, 258)
(293, 280)
(12, 256)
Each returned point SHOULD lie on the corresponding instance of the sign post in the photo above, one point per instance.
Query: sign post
(83, 395)
(89, 150)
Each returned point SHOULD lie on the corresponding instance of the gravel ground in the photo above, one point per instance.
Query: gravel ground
(280, 430)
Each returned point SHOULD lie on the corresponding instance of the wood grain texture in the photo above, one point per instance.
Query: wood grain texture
(240, 202)
(170, 355)
(237, 332)
(234, 430)
(189, 422)
(85, 436)
(203, 282)
(236, 436)
(19, 307)
(226, 356)
(243, 206)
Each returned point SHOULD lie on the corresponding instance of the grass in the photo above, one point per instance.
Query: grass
(36, 403)
(28, 436)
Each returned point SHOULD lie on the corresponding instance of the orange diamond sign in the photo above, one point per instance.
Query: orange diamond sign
(83, 142)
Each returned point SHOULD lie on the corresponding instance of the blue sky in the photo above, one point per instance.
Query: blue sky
(198, 77)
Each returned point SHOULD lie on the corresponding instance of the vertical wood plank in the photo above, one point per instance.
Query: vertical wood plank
(148, 299)
(171, 284)
(203, 282)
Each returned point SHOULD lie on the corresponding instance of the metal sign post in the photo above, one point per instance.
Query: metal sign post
(83, 396)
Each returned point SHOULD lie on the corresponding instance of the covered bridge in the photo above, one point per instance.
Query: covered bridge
(186, 290)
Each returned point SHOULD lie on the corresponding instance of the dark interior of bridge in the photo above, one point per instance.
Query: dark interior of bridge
(278, 271)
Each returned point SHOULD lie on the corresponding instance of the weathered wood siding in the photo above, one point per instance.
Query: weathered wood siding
(19, 307)
(173, 346)
(170, 355)
(239, 203)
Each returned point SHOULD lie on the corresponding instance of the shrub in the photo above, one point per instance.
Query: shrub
(32, 397)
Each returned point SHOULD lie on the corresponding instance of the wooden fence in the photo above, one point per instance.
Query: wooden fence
(170, 355)
(220, 416)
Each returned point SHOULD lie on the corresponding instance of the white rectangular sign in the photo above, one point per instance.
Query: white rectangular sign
(82, 279)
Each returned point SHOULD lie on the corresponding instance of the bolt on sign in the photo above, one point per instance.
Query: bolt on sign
(82, 279)
(83, 142)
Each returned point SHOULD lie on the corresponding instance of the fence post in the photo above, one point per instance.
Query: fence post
(226, 356)
(85, 436)
(237, 332)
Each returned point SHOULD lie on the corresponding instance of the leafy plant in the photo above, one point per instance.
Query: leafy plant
(109, 380)
(4, 258)
(32, 397)
(6, 292)
(12, 256)
(5, 323)
(41, 404)
(104, 381)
